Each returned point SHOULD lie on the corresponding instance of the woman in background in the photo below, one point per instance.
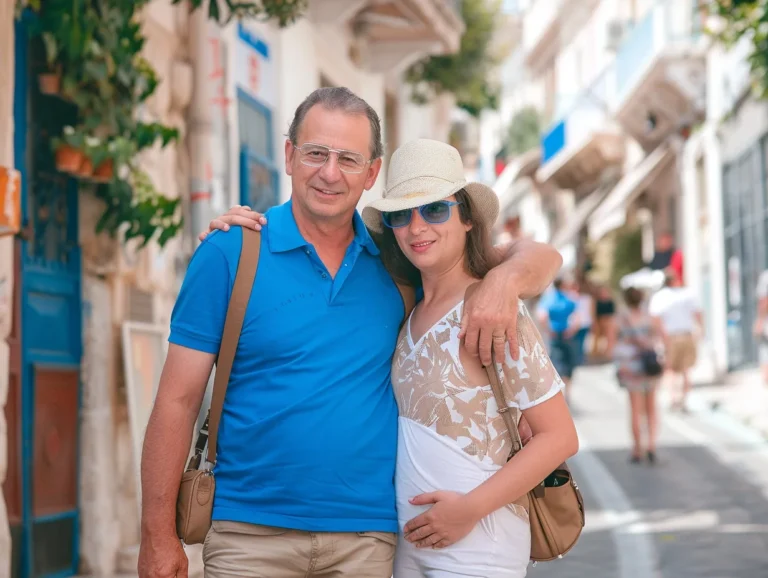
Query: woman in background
(636, 334)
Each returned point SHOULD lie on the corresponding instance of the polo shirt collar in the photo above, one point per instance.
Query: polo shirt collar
(284, 234)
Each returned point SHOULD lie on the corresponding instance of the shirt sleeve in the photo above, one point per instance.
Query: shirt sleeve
(197, 321)
(653, 305)
(532, 379)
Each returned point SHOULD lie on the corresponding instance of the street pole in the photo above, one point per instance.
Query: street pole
(199, 124)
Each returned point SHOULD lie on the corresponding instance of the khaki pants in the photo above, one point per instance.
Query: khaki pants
(237, 550)
(681, 355)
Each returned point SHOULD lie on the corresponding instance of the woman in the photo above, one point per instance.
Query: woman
(636, 334)
(455, 488)
(605, 324)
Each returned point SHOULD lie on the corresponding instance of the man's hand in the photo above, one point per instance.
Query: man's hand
(445, 523)
(162, 557)
(237, 215)
(489, 319)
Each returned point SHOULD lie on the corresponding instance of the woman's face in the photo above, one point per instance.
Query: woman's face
(433, 248)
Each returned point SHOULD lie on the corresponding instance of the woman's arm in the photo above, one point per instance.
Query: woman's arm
(554, 441)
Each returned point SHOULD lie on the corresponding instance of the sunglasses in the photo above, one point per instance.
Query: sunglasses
(432, 213)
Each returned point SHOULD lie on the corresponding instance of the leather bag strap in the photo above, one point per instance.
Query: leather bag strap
(501, 402)
(238, 303)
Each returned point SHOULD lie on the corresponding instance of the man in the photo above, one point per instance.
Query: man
(666, 256)
(306, 452)
(556, 313)
(676, 313)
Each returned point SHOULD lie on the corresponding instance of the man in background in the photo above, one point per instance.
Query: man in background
(677, 313)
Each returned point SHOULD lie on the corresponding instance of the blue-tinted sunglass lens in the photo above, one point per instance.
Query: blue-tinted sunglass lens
(438, 212)
(397, 219)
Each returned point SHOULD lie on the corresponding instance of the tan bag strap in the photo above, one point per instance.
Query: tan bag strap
(238, 303)
(501, 402)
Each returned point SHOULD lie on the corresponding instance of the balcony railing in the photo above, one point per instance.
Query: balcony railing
(579, 115)
(666, 25)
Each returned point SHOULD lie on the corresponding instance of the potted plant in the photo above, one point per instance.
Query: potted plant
(68, 150)
(50, 80)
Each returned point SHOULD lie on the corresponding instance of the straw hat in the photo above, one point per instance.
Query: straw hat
(423, 171)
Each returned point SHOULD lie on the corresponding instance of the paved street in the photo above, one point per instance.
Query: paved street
(701, 512)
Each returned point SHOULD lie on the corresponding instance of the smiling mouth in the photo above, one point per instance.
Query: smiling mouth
(421, 245)
(326, 192)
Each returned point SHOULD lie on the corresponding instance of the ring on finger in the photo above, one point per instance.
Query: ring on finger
(499, 338)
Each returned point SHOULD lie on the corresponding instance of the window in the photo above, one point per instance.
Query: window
(259, 179)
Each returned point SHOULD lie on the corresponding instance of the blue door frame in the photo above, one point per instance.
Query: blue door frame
(51, 345)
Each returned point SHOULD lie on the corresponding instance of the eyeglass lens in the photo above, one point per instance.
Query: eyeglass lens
(316, 156)
(433, 213)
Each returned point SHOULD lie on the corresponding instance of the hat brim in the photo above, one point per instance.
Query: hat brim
(485, 203)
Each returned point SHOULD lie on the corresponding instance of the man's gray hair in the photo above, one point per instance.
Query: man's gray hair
(339, 98)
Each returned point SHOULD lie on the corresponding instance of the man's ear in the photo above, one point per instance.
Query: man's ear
(373, 173)
(290, 151)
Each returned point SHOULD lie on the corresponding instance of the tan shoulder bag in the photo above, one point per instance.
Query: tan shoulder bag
(194, 504)
(555, 507)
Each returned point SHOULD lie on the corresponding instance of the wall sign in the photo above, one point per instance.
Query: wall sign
(10, 201)
(254, 67)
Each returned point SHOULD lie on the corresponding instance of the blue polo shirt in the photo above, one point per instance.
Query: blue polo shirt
(309, 428)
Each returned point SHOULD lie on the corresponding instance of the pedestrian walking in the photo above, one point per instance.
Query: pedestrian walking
(638, 372)
(677, 314)
(583, 320)
(307, 439)
(556, 313)
(604, 334)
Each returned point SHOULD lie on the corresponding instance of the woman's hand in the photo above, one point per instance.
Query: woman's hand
(237, 215)
(448, 521)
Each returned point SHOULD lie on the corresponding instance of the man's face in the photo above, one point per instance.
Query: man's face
(665, 242)
(327, 193)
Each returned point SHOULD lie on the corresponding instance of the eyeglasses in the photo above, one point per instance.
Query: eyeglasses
(315, 155)
(432, 213)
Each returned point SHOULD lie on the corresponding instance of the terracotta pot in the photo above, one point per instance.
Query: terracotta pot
(86, 167)
(68, 159)
(50, 83)
(104, 172)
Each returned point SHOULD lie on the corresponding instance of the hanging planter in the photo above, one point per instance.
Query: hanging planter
(50, 83)
(68, 159)
(68, 151)
(86, 168)
(104, 172)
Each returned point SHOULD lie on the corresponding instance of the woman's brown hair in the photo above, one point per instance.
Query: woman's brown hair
(479, 255)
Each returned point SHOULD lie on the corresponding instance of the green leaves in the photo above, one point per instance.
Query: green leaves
(746, 19)
(285, 12)
(524, 131)
(464, 74)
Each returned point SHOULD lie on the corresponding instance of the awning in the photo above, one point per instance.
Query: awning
(612, 214)
(584, 209)
(523, 166)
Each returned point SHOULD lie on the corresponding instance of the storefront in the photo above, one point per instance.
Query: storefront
(745, 219)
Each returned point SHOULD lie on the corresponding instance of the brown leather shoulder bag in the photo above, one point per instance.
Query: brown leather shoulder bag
(555, 507)
(194, 504)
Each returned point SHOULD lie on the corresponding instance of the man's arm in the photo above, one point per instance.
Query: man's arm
(532, 266)
(490, 308)
(166, 448)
